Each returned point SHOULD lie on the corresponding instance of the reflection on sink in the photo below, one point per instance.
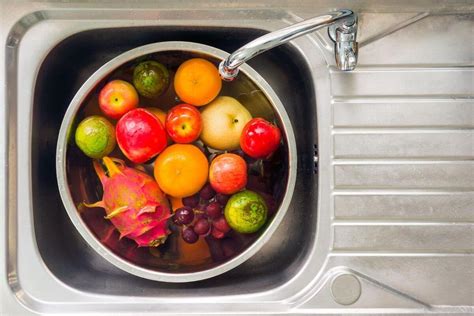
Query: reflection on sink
(70, 259)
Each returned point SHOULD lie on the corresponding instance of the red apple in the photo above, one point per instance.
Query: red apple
(117, 98)
(260, 138)
(140, 135)
(184, 123)
(228, 173)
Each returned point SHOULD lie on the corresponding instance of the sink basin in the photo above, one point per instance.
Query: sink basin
(70, 259)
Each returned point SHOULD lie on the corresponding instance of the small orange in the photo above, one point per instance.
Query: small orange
(162, 117)
(181, 170)
(197, 81)
(158, 113)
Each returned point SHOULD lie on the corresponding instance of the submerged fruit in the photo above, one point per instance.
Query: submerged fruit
(181, 170)
(246, 212)
(133, 202)
(151, 78)
(95, 136)
(197, 81)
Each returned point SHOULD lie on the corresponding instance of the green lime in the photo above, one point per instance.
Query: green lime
(246, 212)
(95, 136)
(151, 78)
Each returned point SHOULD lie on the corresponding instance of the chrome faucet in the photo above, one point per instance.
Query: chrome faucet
(342, 31)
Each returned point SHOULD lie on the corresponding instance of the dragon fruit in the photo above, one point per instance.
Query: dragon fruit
(133, 202)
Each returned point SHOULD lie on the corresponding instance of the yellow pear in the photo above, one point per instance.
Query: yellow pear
(223, 121)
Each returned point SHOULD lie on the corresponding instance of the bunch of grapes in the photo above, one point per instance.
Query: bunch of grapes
(202, 215)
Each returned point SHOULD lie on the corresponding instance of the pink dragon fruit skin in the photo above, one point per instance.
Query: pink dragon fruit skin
(133, 202)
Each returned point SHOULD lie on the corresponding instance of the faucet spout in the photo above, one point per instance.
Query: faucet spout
(342, 30)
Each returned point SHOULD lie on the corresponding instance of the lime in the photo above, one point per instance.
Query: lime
(246, 212)
(151, 78)
(95, 136)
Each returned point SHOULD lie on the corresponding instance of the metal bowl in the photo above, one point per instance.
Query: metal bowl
(78, 183)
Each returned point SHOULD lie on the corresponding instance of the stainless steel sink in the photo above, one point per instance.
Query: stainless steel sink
(88, 50)
(381, 220)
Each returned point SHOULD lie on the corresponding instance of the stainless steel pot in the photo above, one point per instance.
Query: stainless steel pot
(71, 199)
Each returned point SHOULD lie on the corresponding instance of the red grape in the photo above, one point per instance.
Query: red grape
(189, 235)
(198, 215)
(217, 233)
(183, 215)
(191, 201)
(213, 210)
(221, 224)
(207, 192)
(222, 199)
(202, 226)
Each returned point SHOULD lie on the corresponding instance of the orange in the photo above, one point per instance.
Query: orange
(197, 81)
(161, 115)
(181, 170)
(176, 203)
(158, 113)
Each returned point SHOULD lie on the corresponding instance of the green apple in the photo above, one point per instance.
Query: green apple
(223, 121)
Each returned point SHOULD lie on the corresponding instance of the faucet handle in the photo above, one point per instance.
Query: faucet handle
(346, 55)
(344, 36)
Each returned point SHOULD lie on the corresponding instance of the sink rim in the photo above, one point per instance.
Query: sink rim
(81, 226)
